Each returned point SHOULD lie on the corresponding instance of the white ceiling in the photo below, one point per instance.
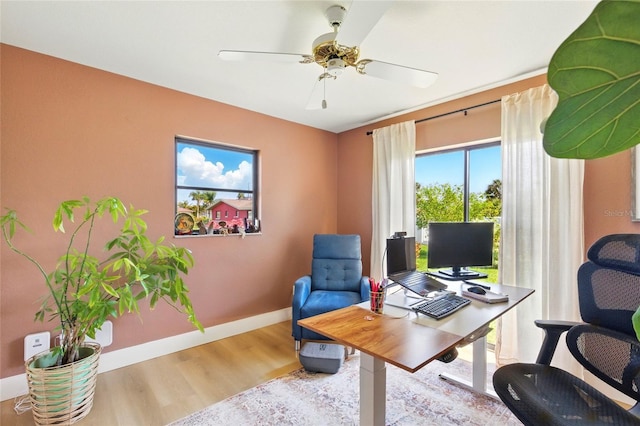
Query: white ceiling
(472, 45)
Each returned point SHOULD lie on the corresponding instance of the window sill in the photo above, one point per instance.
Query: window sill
(217, 235)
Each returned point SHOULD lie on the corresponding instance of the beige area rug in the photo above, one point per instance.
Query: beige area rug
(302, 398)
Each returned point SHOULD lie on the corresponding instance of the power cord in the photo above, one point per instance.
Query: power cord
(22, 404)
(397, 317)
(384, 254)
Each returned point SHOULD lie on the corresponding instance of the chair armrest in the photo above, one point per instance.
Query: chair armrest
(301, 291)
(552, 332)
(364, 288)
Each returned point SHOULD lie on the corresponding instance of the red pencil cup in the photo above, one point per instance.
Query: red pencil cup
(376, 298)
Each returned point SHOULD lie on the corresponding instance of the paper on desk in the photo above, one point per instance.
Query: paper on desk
(488, 297)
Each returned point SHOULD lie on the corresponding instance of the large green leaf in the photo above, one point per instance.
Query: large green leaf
(635, 320)
(596, 73)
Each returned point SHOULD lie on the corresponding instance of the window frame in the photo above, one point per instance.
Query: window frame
(466, 150)
(253, 192)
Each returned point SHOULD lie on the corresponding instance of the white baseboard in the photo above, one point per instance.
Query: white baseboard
(11, 387)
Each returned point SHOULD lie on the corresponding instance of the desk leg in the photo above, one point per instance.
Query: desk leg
(373, 390)
(479, 373)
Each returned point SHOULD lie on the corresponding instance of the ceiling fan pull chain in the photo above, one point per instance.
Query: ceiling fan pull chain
(324, 93)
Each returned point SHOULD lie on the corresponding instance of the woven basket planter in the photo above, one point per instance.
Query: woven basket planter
(62, 395)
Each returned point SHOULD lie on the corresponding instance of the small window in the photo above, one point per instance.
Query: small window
(212, 179)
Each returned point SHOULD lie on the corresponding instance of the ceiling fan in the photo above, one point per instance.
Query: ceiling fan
(337, 50)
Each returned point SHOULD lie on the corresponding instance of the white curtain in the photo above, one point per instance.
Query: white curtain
(542, 228)
(394, 188)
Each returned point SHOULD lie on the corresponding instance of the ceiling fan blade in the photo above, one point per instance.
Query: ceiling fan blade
(239, 55)
(361, 17)
(397, 73)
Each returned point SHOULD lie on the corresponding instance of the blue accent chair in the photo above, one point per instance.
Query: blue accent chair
(335, 282)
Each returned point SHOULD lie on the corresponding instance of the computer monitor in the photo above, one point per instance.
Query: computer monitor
(458, 245)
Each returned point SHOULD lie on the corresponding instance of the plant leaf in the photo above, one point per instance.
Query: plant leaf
(107, 288)
(635, 319)
(596, 73)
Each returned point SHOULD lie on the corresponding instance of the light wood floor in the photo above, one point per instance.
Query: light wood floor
(167, 388)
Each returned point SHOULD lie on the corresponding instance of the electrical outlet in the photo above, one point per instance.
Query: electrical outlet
(104, 335)
(36, 343)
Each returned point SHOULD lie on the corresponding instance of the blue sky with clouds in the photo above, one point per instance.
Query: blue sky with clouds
(204, 166)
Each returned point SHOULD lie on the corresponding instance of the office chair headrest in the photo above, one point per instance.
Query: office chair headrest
(617, 251)
(609, 283)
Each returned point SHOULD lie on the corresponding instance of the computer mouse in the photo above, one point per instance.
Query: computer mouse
(477, 290)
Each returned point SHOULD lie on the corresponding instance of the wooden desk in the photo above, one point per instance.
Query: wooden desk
(409, 342)
(398, 341)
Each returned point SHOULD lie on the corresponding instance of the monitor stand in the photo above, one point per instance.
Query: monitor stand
(457, 274)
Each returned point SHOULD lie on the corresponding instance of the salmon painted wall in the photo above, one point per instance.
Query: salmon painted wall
(607, 193)
(607, 185)
(69, 131)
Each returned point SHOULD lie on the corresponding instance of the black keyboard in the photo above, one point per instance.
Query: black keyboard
(442, 306)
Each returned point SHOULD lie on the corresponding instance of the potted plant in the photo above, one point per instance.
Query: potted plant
(596, 73)
(83, 291)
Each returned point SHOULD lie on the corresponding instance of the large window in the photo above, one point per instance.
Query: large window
(216, 189)
(459, 185)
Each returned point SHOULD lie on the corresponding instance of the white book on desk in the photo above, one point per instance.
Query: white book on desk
(488, 297)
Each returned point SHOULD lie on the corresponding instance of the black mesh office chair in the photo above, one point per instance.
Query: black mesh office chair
(605, 344)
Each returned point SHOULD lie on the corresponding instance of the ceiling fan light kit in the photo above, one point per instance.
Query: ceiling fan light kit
(335, 66)
(334, 57)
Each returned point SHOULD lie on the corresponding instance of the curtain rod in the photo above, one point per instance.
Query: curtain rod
(452, 112)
